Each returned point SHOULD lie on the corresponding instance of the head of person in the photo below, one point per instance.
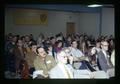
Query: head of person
(111, 41)
(19, 43)
(31, 36)
(61, 57)
(14, 39)
(88, 42)
(104, 45)
(84, 44)
(69, 39)
(67, 51)
(49, 47)
(93, 51)
(41, 52)
(23, 38)
(9, 38)
(98, 43)
(27, 38)
(74, 44)
(33, 47)
(59, 43)
(52, 40)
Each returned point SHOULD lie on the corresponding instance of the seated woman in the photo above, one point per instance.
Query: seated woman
(59, 46)
(51, 51)
(65, 71)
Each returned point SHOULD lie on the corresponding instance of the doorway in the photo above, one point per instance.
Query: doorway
(70, 28)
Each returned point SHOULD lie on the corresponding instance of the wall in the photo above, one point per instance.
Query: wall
(56, 23)
(85, 23)
(108, 21)
(89, 23)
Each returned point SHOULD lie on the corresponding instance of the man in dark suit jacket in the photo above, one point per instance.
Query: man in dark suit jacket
(103, 57)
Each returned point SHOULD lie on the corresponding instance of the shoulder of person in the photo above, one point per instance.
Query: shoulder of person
(99, 52)
(54, 68)
(36, 59)
(50, 57)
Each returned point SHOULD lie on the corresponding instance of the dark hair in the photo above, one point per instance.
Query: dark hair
(33, 43)
(59, 41)
(58, 35)
(47, 46)
(73, 41)
(18, 40)
(38, 48)
(51, 38)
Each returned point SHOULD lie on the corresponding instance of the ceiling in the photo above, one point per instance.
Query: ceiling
(61, 7)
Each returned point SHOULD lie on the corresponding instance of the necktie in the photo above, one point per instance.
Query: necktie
(68, 74)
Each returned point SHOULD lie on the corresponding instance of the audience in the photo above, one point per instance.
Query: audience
(81, 52)
(63, 70)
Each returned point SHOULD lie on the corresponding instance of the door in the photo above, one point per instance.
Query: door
(70, 28)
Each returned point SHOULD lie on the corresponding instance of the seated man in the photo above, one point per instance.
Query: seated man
(43, 62)
(65, 71)
(80, 61)
(104, 59)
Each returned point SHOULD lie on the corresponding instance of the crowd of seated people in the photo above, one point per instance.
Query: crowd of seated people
(75, 56)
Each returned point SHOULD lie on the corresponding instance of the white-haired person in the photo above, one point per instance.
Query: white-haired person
(63, 70)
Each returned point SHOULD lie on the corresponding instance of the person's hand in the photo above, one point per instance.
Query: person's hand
(87, 59)
(75, 59)
(70, 59)
(81, 58)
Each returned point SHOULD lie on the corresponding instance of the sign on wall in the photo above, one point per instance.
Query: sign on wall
(30, 17)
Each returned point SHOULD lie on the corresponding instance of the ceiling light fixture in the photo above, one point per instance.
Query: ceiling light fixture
(94, 5)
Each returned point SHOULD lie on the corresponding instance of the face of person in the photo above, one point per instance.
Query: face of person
(53, 41)
(64, 60)
(41, 52)
(98, 44)
(69, 39)
(60, 44)
(74, 44)
(27, 39)
(104, 45)
(34, 47)
(62, 57)
(20, 43)
(93, 51)
(111, 42)
(50, 48)
(14, 39)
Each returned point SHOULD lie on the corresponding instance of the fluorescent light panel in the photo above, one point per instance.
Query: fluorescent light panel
(94, 5)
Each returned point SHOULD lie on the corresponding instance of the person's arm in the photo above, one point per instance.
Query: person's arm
(113, 58)
(36, 65)
(79, 58)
